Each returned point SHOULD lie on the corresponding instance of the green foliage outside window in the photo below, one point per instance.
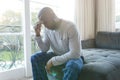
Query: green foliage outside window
(11, 46)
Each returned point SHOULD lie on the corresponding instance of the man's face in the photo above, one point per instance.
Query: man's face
(48, 22)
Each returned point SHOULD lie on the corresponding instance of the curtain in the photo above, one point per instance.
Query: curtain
(105, 15)
(85, 19)
(93, 16)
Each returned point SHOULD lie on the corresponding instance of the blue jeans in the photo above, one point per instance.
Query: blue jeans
(71, 71)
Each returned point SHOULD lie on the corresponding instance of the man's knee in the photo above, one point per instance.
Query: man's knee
(36, 56)
(73, 64)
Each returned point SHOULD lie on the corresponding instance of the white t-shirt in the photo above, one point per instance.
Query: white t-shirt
(64, 41)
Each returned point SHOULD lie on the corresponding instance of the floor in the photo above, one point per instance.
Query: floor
(50, 78)
(26, 79)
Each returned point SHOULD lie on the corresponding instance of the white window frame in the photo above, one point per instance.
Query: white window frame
(27, 38)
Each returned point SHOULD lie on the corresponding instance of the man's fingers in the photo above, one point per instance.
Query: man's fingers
(37, 26)
(47, 69)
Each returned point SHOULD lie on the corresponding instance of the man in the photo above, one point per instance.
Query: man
(63, 37)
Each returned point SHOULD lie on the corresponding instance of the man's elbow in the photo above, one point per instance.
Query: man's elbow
(76, 54)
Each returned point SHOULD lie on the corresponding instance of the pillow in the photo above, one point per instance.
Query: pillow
(108, 40)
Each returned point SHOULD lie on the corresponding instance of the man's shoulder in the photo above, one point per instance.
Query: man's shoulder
(68, 25)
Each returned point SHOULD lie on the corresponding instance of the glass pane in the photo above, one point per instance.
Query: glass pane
(117, 13)
(59, 6)
(10, 16)
(35, 47)
(11, 52)
(11, 36)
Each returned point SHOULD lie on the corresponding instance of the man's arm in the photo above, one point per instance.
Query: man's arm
(43, 44)
(74, 48)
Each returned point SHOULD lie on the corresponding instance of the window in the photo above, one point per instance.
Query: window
(117, 14)
(11, 35)
(17, 18)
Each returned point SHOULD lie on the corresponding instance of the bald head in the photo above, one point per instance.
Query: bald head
(48, 17)
(46, 11)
